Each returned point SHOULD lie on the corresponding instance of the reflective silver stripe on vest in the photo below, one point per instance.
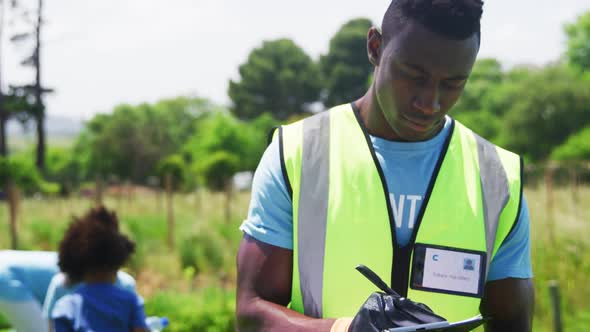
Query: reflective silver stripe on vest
(313, 210)
(495, 191)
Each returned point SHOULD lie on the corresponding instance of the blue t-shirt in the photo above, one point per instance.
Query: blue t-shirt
(25, 275)
(98, 307)
(58, 288)
(407, 167)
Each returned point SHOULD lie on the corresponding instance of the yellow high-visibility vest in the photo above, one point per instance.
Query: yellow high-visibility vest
(342, 216)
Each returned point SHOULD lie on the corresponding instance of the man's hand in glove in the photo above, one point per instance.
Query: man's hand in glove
(383, 311)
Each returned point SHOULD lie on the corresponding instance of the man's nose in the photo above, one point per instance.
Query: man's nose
(428, 100)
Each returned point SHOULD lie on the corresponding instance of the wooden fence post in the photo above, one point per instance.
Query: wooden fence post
(548, 176)
(555, 305)
(574, 186)
(98, 191)
(228, 200)
(13, 210)
(169, 208)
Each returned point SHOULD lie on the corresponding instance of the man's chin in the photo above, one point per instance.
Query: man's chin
(411, 135)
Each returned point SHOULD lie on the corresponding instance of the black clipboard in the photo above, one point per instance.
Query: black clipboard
(460, 326)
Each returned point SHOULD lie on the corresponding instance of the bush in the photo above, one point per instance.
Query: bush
(147, 232)
(577, 147)
(22, 172)
(45, 234)
(3, 322)
(209, 310)
(203, 252)
(50, 188)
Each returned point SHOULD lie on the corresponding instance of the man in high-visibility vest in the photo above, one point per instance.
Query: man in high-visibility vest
(390, 181)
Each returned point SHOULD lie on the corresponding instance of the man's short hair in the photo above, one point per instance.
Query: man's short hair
(454, 19)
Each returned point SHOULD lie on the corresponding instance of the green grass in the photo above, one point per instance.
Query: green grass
(194, 284)
(564, 257)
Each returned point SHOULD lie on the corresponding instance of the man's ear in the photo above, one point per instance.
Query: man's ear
(374, 46)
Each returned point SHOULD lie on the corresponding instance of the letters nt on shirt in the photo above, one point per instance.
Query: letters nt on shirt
(404, 206)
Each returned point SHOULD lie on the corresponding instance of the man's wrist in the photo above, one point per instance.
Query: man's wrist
(341, 325)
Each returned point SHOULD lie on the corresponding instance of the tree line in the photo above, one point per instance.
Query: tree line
(541, 112)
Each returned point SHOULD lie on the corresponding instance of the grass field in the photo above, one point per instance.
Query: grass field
(194, 284)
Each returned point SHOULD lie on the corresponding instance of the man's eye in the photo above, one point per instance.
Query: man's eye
(453, 84)
(416, 77)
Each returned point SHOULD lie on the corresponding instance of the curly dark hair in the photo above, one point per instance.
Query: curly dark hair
(93, 243)
(454, 19)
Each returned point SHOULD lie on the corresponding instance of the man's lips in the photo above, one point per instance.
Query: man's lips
(417, 123)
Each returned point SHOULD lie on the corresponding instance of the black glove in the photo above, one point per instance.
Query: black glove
(384, 311)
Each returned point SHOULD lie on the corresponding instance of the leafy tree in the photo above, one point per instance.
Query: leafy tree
(578, 44)
(62, 167)
(15, 174)
(577, 147)
(34, 19)
(172, 170)
(278, 78)
(173, 166)
(222, 132)
(486, 75)
(13, 105)
(224, 145)
(346, 69)
(218, 170)
(258, 132)
(20, 173)
(474, 108)
(132, 140)
(543, 110)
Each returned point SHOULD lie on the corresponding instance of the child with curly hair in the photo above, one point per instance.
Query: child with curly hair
(92, 251)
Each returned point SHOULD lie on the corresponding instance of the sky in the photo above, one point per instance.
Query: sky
(101, 53)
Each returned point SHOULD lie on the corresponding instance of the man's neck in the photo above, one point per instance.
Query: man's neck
(372, 117)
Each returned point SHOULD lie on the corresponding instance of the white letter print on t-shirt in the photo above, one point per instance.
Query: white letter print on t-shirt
(398, 209)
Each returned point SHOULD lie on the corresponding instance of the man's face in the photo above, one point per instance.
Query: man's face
(419, 78)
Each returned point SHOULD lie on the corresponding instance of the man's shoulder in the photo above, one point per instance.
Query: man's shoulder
(486, 142)
(320, 114)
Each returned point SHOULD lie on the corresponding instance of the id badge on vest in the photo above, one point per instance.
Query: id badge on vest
(448, 270)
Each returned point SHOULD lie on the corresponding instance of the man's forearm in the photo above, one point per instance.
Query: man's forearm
(260, 315)
(520, 324)
(509, 304)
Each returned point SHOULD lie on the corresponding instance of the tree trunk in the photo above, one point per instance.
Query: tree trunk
(549, 202)
(3, 123)
(158, 195)
(228, 199)
(13, 207)
(198, 199)
(40, 108)
(40, 160)
(169, 208)
(3, 111)
(129, 192)
(98, 190)
(574, 184)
